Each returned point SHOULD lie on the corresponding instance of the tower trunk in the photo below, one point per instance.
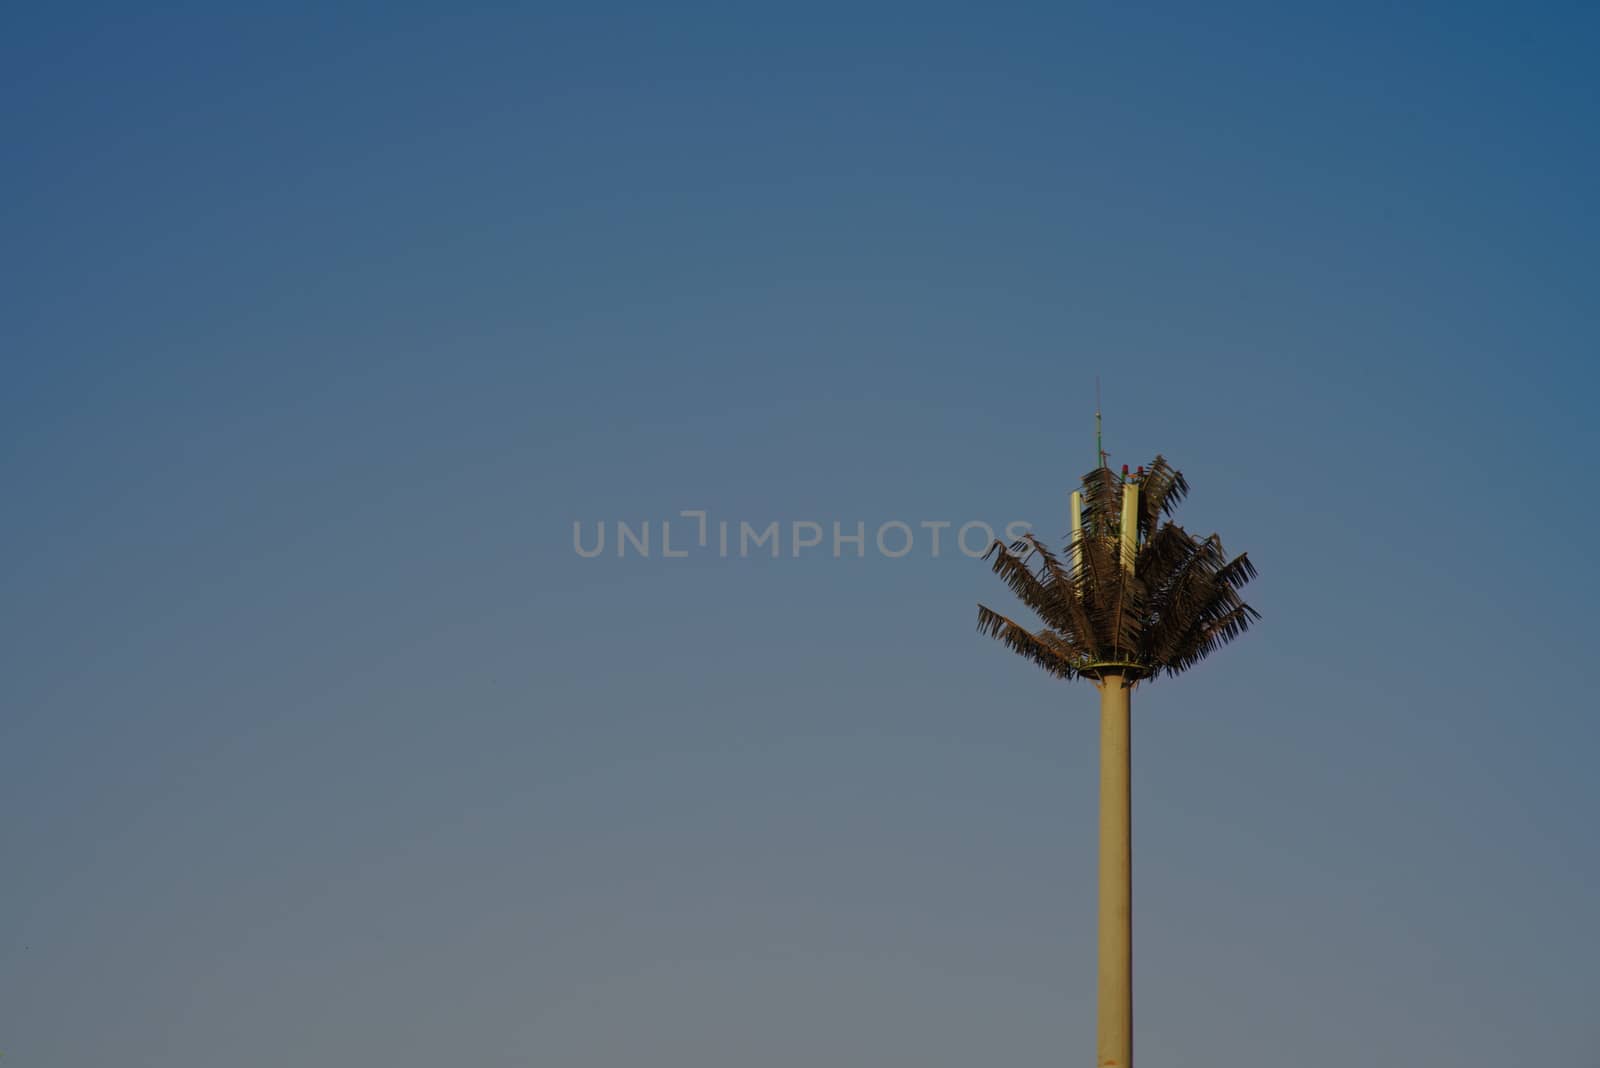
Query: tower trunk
(1114, 1023)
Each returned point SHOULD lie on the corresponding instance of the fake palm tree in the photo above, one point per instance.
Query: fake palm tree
(1138, 597)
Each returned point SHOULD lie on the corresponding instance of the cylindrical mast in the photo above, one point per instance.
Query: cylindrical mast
(1114, 988)
(1114, 1023)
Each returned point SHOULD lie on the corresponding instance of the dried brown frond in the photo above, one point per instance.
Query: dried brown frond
(1040, 647)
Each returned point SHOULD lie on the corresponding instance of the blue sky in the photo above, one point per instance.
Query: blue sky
(320, 744)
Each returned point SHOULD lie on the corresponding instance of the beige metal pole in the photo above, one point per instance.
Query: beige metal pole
(1114, 1024)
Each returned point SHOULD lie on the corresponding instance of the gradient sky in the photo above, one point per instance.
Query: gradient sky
(321, 746)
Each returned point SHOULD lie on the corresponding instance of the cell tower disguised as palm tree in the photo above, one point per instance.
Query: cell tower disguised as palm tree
(1140, 597)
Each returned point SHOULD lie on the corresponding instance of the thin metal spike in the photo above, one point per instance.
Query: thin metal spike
(1099, 446)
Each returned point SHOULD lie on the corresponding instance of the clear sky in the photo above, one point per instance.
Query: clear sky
(323, 324)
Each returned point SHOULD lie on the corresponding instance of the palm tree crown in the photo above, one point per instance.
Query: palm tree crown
(1157, 606)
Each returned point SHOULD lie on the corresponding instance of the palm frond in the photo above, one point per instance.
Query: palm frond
(1159, 494)
(1073, 620)
(1048, 599)
(1207, 639)
(1102, 502)
(1039, 647)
